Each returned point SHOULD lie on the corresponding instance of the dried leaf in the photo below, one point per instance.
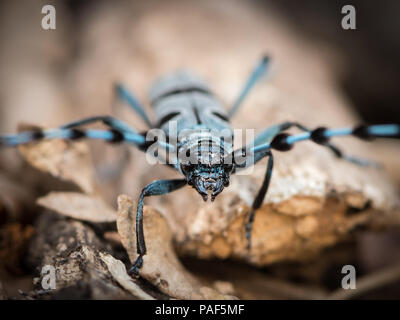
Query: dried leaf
(161, 266)
(118, 271)
(68, 161)
(78, 206)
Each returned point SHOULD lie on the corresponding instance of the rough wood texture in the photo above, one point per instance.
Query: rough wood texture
(74, 250)
(161, 265)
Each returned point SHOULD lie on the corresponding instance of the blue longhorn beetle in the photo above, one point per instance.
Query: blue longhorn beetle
(187, 100)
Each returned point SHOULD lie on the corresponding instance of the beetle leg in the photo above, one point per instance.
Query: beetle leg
(155, 188)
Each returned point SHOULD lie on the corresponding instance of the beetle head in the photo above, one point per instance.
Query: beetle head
(207, 178)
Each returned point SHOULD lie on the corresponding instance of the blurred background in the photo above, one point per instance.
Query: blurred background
(50, 77)
(368, 71)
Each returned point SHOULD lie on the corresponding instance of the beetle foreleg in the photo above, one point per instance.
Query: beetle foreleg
(155, 188)
(259, 199)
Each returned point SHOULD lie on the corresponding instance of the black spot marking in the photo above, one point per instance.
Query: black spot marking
(318, 135)
(362, 132)
(279, 142)
(167, 118)
(117, 136)
(76, 134)
(178, 91)
(221, 116)
(37, 135)
(196, 114)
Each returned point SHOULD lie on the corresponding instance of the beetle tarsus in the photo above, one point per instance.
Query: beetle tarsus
(134, 270)
(249, 227)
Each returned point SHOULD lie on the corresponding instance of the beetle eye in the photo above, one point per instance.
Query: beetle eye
(186, 168)
(228, 167)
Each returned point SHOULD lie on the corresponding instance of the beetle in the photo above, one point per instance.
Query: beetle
(204, 157)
